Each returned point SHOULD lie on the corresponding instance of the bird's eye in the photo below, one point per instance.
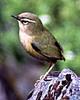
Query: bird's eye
(24, 22)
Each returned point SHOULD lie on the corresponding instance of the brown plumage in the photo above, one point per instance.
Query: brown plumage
(37, 40)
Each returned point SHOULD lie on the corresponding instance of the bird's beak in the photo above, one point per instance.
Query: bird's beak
(16, 17)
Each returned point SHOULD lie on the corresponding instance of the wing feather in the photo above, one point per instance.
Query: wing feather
(47, 46)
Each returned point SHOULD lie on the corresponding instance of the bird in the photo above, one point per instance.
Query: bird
(37, 40)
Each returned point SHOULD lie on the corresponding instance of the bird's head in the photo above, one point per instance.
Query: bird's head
(29, 23)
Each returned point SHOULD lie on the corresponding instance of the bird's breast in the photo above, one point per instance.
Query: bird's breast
(26, 41)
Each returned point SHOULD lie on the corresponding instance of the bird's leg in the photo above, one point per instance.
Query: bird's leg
(43, 77)
(49, 70)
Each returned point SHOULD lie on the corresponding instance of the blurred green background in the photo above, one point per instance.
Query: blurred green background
(60, 17)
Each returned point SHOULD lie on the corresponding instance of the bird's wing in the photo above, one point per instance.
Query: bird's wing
(47, 46)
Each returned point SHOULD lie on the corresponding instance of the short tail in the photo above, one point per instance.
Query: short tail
(62, 58)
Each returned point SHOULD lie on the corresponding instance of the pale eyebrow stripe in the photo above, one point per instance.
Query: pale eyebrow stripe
(30, 20)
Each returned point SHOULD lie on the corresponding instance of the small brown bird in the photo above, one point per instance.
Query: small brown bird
(37, 40)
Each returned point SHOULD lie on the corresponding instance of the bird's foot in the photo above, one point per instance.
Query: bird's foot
(42, 78)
